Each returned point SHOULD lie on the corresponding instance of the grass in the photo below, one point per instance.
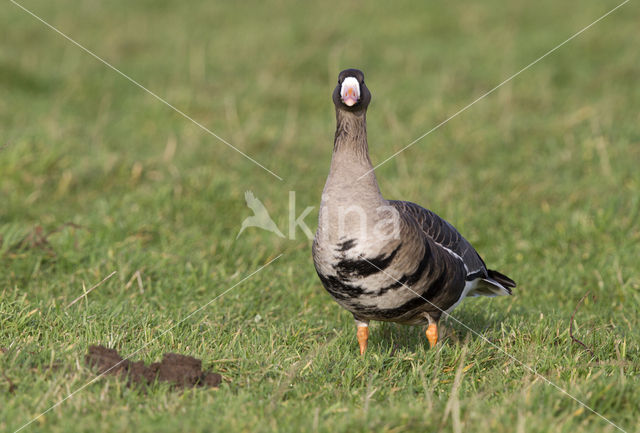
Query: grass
(98, 176)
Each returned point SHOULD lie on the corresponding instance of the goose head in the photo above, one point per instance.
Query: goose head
(351, 94)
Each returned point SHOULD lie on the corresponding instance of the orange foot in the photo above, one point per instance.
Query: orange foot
(363, 336)
(432, 334)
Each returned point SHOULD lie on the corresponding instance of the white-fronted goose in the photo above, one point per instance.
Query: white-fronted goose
(384, 259)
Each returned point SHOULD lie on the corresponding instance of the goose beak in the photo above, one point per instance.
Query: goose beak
(350, 91)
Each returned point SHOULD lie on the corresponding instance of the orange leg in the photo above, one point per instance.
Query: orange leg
(363, 336)
(432, 334)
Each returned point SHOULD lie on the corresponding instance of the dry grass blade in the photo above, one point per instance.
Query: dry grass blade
(294, 370)
(91, 289)
(12, 386)
(453, 405)
(38, 239)
(137, 276)
(574, 339)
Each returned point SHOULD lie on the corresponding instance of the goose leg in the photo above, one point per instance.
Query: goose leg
(362, 334)
(432, 332)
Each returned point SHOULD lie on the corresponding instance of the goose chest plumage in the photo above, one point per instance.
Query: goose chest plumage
(383, 259)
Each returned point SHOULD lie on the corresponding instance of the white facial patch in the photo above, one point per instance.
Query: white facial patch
(350, 91)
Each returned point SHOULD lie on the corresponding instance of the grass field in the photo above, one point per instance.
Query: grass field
(97, 176)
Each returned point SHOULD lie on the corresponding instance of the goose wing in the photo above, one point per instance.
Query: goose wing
(444, 235)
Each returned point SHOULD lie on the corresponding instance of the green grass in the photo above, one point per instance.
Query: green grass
(542, 176)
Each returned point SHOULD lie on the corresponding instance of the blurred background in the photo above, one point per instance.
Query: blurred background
(553, 150)
(97, 175)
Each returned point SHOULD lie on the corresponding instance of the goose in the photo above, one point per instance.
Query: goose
(387, 260)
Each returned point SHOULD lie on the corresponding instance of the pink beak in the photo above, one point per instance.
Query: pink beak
(350, 92)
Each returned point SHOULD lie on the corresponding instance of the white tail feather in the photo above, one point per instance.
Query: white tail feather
(489, 287)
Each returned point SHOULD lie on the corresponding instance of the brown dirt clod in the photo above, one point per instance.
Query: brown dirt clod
(180, 370)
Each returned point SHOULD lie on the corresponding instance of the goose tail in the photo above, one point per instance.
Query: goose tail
(496, 284)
